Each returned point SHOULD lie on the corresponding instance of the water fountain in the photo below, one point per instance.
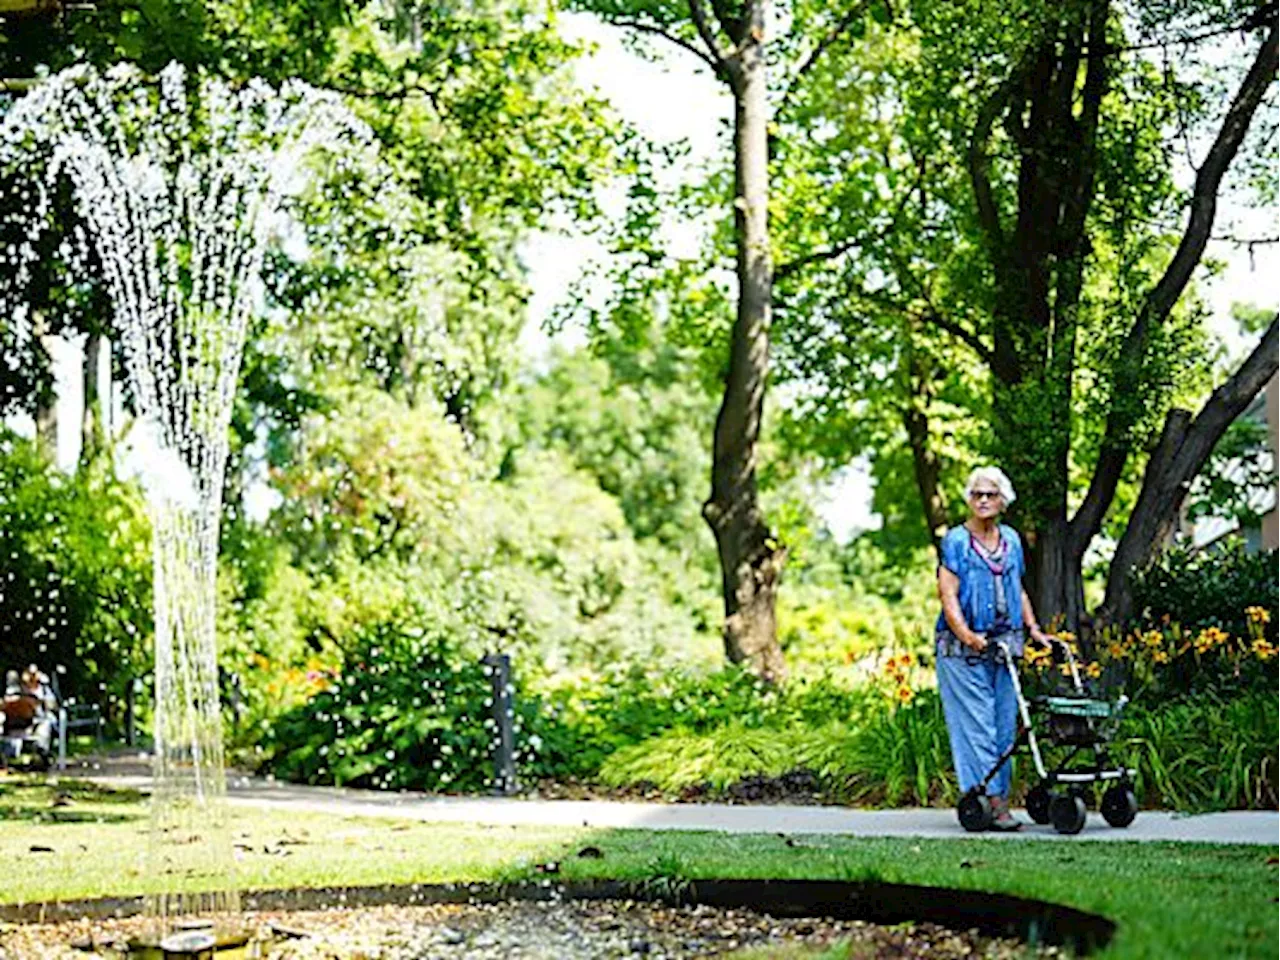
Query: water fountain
(178, 186)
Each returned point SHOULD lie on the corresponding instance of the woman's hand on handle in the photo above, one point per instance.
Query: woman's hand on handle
(1029, 618)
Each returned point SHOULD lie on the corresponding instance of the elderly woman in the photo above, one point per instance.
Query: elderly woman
(983, 605)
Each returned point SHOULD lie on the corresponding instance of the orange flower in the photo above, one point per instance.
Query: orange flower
(1258, 614)
(1094, 670)
(905, 694)
(1209, 638)
(895, 669)
(1038, 655)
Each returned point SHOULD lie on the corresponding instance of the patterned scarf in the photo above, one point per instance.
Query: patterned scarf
(994, 559)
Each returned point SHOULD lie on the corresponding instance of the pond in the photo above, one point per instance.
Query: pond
(600, 919)
(545, 931)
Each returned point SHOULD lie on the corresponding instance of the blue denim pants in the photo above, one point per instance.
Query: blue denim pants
(981, 709)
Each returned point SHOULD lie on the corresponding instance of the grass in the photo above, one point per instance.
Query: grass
(1170, 900)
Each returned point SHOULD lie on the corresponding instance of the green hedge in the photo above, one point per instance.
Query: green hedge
(408, 710)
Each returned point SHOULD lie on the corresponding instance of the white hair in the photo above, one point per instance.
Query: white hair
(994, 475)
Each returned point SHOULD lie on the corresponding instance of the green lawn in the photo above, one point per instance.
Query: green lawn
(1170, 900)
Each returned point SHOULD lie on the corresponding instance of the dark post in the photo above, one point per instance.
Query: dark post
(131, 713)
(504, 735)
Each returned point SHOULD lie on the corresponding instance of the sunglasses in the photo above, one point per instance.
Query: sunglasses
(985, 495)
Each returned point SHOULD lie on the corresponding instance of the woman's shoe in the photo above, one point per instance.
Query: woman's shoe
(1001, 818)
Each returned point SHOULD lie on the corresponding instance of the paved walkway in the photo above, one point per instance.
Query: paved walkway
(1259, 827)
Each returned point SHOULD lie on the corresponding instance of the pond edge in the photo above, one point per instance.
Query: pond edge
(991, 914)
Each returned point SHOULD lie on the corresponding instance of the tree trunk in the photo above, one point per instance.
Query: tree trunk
(46, 405)
(1184, 447)
(1038, 261)
(91, 427)
(751, 558)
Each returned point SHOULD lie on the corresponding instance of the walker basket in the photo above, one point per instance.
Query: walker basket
(1071, 719)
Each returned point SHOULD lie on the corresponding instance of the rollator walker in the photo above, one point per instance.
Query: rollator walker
(1074, 721)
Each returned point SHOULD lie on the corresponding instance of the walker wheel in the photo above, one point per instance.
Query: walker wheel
(974, 810)
(1119, 806)
(1038, 798)
(1067, 811)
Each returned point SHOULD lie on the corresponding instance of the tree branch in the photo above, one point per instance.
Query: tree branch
(1095, 86)
(782, 271)
(403, 92)
(1244, 241)
(1116, 442)
(1209, 179)
(963, 334)
(934, 315)
(980, 163)
(734, 24)
(1177, 460)
(832, 35)
(791, 267)
(1261, 17)
(714, 50)
(654, 29)
(1190, 39)
(931, 314)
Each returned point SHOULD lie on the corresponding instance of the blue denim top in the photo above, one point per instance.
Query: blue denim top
(978, 583)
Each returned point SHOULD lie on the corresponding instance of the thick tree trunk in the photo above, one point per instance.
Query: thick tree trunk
(1038, 262)
(751, 559)
(91, 427)
(1180, 454)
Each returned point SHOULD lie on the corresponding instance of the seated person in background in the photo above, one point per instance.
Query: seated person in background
(35, 687)
(19, 709)
(18, 714)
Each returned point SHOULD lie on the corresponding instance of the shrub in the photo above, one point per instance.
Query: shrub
(407, 710)
(609, 712)
(898, 756)
(1208, 754)
(873, 750)
(1207, 588)
(75, 574)
(717, 759)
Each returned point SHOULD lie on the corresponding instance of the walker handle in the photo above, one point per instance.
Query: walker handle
(1057, 645)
